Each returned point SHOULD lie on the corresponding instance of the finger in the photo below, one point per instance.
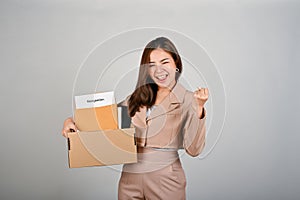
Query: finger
(198, 94)
(69, 128)
(64, 133)
(206, 91)
(201, 92)
(198, 90)
(72, 127)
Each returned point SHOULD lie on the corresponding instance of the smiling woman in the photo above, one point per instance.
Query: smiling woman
(160, 61)
(166, 118)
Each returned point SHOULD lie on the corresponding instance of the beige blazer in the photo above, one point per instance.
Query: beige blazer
(174, 123)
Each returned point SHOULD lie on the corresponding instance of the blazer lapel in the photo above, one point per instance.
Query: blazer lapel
(171, 102)
(160, 109)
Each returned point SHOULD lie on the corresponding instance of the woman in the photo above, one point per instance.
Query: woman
(166, 117)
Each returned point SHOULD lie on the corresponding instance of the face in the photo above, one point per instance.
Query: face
(162, 69)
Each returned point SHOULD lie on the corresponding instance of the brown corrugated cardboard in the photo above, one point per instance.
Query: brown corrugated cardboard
(99, 118)
(98, 148)
(99, 141)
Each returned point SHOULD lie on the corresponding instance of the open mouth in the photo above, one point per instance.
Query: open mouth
(162, 77)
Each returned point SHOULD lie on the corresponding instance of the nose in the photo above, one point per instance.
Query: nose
(158, 68)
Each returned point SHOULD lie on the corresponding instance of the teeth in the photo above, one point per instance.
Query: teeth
(161, 77)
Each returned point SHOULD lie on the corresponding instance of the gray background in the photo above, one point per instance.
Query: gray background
(255, 45)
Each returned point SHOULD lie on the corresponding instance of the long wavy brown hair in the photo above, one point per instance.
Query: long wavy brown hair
(146, 90)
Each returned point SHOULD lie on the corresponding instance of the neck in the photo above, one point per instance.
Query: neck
(166, 89)
(163, 89)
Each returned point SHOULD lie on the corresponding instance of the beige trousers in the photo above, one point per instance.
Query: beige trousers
(157, 175)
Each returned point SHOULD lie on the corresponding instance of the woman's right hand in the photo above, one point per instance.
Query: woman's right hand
(69, 126)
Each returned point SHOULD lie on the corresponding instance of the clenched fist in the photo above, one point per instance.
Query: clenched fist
(201, 96)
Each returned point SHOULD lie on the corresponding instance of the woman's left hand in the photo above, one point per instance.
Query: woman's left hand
(201, 96)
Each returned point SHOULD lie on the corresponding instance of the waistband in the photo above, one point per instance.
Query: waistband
(150, 159)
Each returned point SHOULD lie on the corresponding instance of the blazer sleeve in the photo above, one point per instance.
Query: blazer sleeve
(194, 130)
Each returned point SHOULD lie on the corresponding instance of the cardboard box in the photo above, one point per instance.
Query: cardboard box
(99, 141)
(99, 148)
(96, 112)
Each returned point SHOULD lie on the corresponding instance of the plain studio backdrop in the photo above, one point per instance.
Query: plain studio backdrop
(253, 44)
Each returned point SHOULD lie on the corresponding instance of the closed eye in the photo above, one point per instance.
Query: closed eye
(163, 62)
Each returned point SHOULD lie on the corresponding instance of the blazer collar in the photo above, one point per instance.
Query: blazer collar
(171, 102)
(177, 94)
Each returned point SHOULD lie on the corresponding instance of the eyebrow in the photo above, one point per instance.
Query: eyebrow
(161, 60)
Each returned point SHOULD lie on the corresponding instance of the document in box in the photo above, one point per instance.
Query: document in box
(96, 112)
